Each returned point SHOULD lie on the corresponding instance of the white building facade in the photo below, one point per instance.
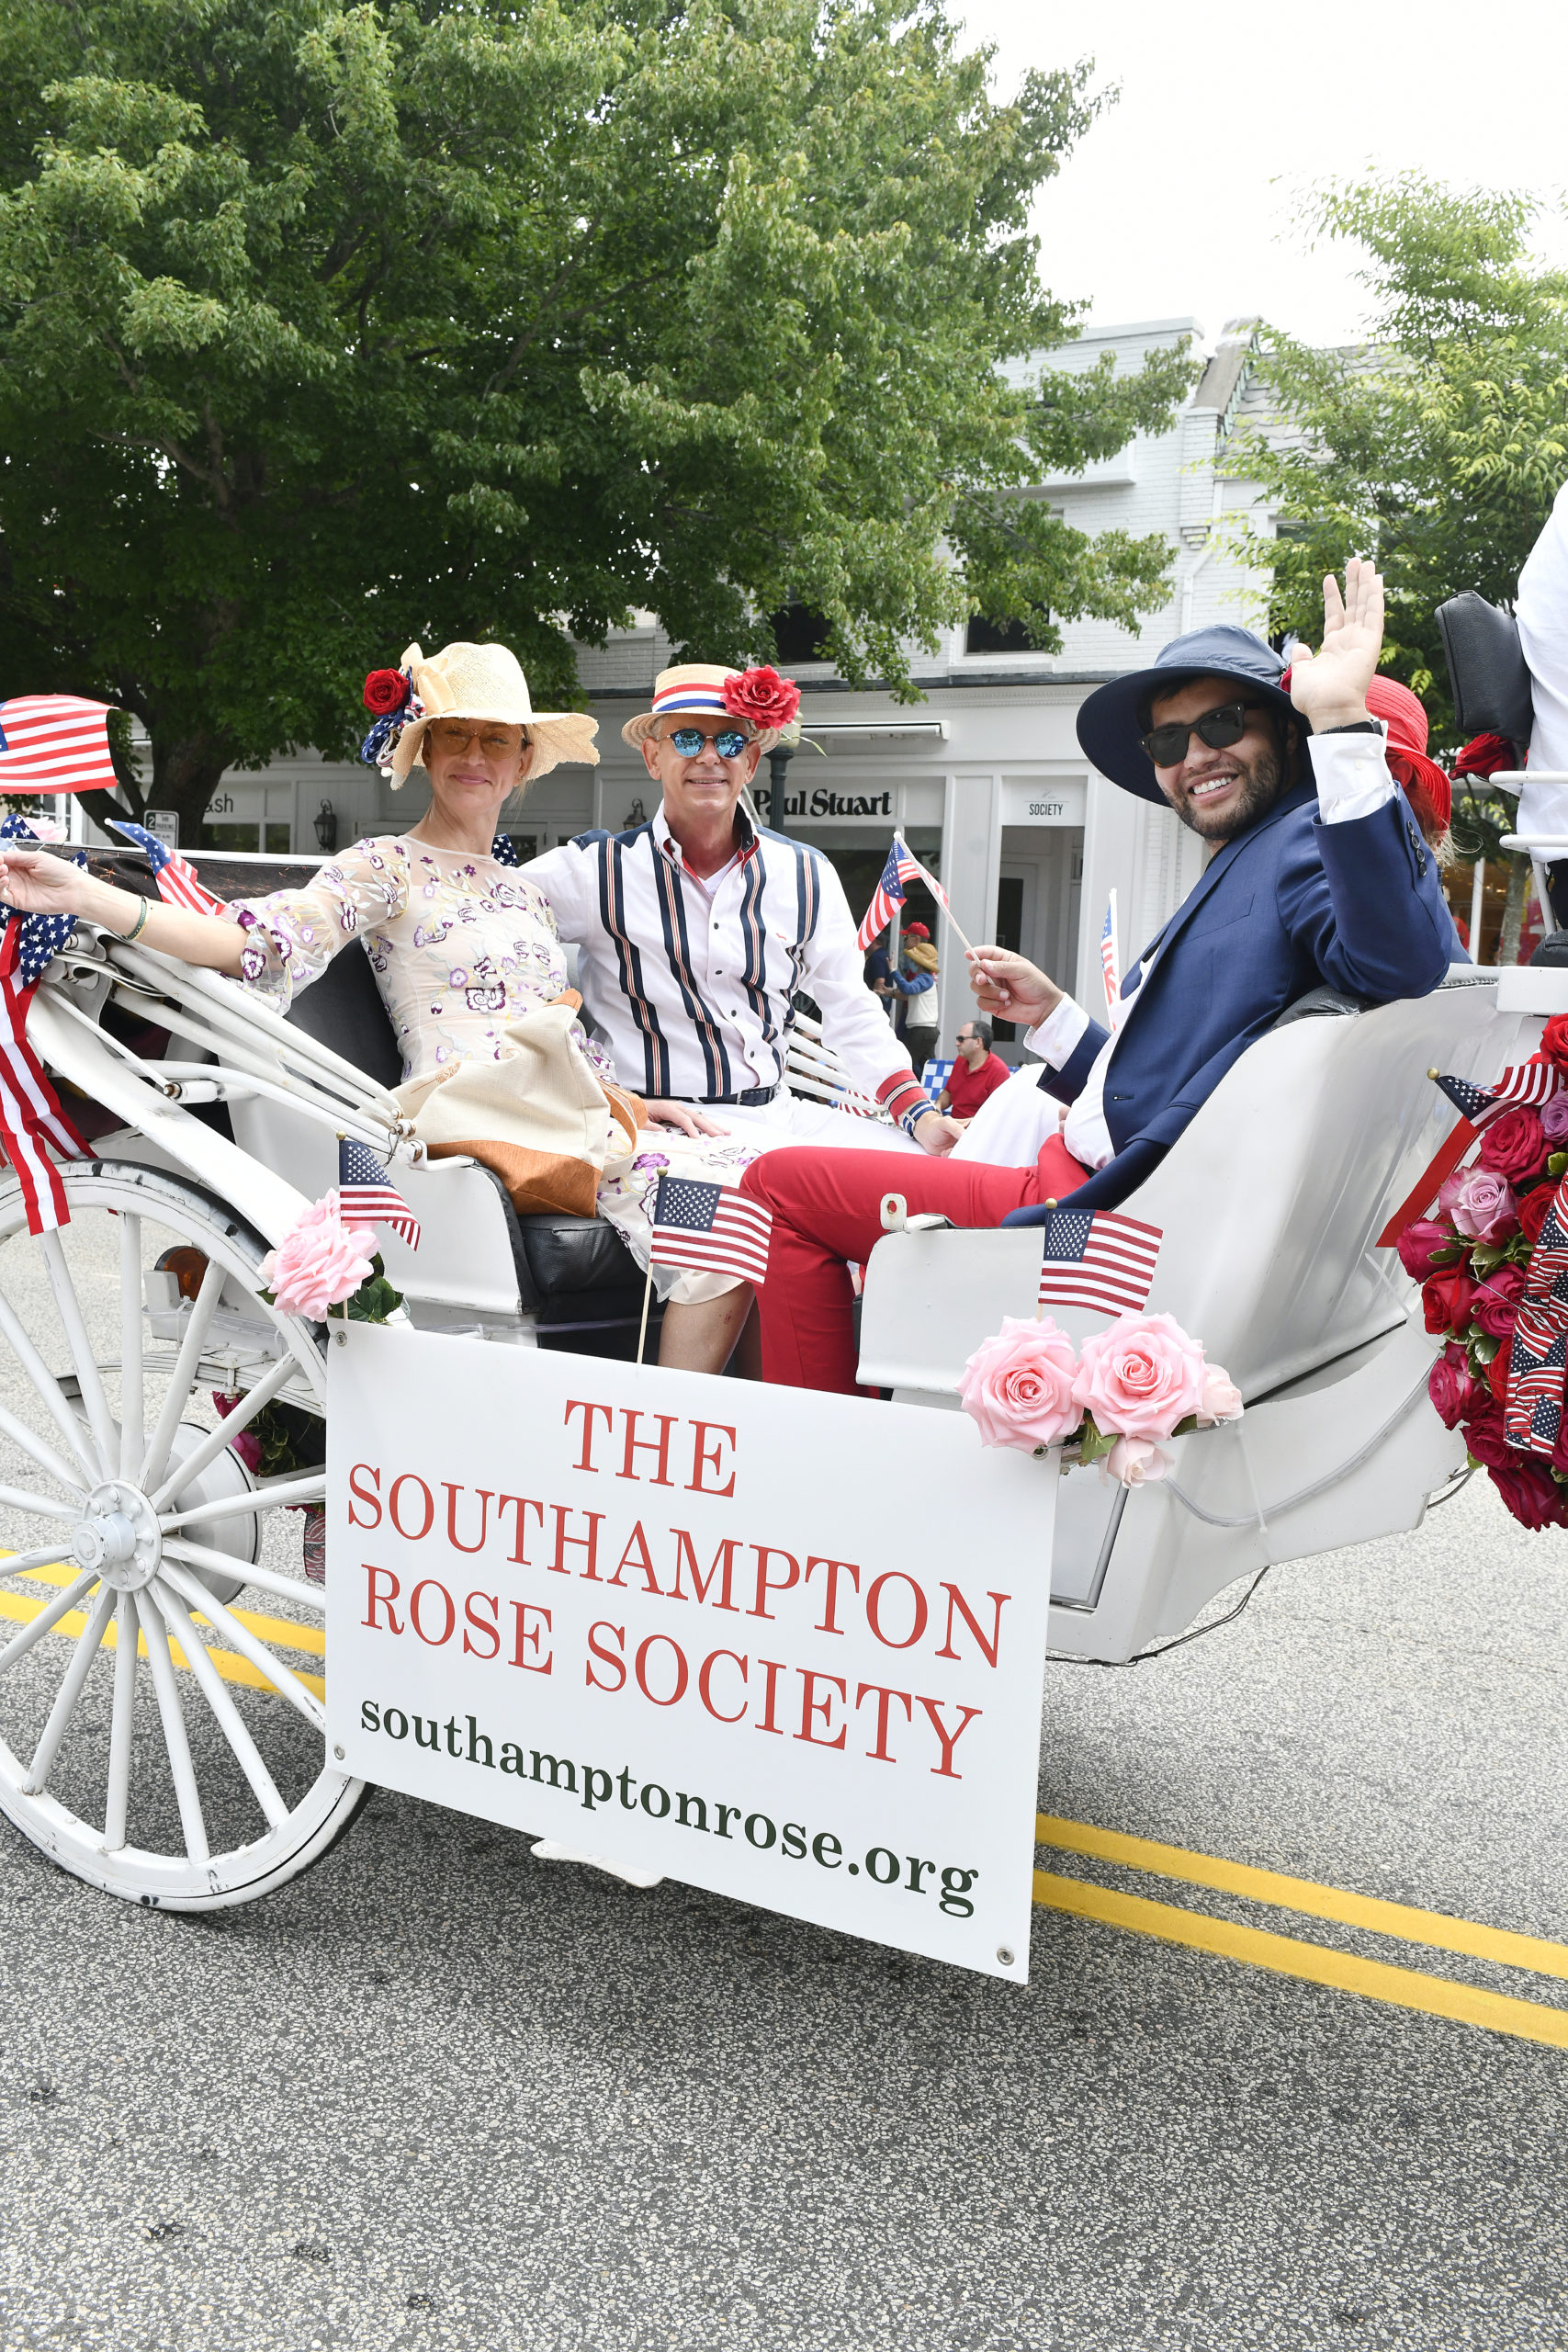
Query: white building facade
(984, 778)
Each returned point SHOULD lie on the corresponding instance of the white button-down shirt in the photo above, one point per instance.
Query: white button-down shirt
(689, 978)
(1353, 780)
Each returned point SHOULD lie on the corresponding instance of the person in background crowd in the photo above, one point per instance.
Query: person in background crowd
(975, 1075)
(878, 972)
(916, 980)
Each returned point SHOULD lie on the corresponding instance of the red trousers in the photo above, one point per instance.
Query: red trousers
(826, 1211)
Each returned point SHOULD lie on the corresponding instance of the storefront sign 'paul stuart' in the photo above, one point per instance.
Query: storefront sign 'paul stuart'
(821, 802)
(642, 1612)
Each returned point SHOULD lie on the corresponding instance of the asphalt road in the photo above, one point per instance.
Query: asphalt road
(436, 2094)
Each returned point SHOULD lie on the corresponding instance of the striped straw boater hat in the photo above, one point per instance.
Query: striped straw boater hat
(758, 699)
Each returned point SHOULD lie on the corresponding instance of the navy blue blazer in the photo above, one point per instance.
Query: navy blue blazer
(1290, 905)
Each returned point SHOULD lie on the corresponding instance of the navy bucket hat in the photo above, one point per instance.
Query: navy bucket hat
(1108, 722)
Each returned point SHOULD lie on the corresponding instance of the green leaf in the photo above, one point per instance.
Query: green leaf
(1092, 1440)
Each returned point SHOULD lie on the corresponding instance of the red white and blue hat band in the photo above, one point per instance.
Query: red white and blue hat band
(690, 698)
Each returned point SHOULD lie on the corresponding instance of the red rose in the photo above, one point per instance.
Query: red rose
(1497, 1372)
(1422, 1246)
(1553, 1045)
(1531, 1209)
(1530, 1491)
(763, 697)
(1514, 1145)
(1483, 1434)
(1450, 1387)
(1444, 1298)
(386, 691)
(1496, 1301)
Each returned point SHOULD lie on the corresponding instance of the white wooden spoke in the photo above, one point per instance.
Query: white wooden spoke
(240, 1637)
(17, 1564)
(29, 1443)
(66, 1417)
(308, 1488)
(264, 1789)
(182, 1379)
(223, 1564)
(122, 1722)
(174, 1740)
(47, 1618)
(41, 1506)
(70, 1691)
(69, 1308)
(228, 1429)
(131, 1372)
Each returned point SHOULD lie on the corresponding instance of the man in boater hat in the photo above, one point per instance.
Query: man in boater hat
(696, 932)
(1320, 876)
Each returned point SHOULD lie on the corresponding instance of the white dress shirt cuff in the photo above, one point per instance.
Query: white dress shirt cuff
(1352, 773)
(1058, 1034)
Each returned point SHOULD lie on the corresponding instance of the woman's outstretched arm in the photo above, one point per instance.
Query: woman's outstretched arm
(40, 884)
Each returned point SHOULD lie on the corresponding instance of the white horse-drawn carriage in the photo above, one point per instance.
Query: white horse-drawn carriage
(162, 1730)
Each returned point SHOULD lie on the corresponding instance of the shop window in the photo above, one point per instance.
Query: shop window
(272, 838)
(1009, 933)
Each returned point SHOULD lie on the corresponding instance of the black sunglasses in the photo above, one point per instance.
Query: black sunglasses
(1167, 746)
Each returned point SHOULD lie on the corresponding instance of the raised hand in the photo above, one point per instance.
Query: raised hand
(1010, 988)
(1330, 688)
(39, 884)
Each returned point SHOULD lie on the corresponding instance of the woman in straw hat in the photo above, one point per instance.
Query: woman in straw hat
(464, 950)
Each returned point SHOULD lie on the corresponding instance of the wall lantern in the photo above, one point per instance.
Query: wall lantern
(326, 826)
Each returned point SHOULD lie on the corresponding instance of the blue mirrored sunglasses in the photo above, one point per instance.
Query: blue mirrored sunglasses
(690, 741)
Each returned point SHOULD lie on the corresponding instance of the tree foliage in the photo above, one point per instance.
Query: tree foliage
(1438, 446)
(323, 327)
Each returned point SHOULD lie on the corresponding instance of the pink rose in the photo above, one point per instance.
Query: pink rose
(1135, 1461)
(1220, 1400)
(1140, 1377)
(1484, 1206)
(1554, 1121)
(247, 1445)
(1018, 1386)
(320, 1262)
(1496, 1300)
(1421, 1244)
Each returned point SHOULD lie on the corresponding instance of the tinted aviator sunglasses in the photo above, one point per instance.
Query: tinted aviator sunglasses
(1167, 746)
(690, 741)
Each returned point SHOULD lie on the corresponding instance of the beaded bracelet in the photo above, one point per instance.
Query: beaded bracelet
(136, 929)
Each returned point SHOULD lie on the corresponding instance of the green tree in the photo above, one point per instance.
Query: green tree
(325, 327)
(1436, 446)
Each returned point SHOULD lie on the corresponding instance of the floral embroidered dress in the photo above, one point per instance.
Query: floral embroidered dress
(460, 945)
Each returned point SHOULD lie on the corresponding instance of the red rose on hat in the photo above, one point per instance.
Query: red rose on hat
(763, 697)
(386, 691)
(1514, 1146)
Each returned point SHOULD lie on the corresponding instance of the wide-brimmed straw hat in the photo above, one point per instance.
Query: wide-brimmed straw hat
(753, 698)
(485, 682)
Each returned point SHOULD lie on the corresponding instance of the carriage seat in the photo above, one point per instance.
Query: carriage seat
(575, 1270)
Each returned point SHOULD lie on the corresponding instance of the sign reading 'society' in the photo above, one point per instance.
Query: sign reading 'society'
(784, 1646)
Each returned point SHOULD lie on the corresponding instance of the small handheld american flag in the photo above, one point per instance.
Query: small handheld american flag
(1521, 1088)
(709, 1228)
(1099, 1260)
(886, 899)
(54, 743)
(366, 1197)
(1110, 965)
(174, 874)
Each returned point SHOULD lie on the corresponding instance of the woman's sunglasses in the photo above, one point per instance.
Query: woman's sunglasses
(1167, 746)
(690, 743)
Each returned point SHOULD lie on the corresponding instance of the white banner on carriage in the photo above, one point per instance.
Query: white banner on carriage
(786, 1647)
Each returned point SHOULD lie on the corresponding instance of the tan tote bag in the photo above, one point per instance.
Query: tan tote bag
(540, 1117)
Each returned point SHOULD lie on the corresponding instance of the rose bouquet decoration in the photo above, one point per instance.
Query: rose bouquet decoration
(323, 1261)
(1137, 1383)
(1472, 1258)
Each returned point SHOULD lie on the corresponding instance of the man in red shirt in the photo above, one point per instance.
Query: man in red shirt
(976, 1074)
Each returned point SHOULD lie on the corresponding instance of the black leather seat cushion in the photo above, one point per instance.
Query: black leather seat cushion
(576, 1253)
(1487, 671)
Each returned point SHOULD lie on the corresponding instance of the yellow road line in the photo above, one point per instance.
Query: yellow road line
(284, 1631)
(72, 1626)
(1435, 1929)
(1406, 1988)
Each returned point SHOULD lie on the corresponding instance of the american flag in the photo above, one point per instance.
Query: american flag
(1521, 1088)
(54, 743)
(1109, 963)
(365, 1194)
(1533, 1415)
(30, 1114)
(709, 1228)
(174, 874)
(1098, 1259)
(902, 868)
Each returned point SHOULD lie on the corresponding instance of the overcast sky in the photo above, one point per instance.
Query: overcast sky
(1179, 201)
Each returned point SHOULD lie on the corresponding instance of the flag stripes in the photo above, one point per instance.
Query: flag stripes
(365, 1194)
(54, 743)
(709, 1228)
(1098, 1260)
(174, 874)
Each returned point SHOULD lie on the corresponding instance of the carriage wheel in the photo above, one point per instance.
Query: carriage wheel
(160, 1735)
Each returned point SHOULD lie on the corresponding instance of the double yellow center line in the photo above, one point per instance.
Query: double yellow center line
(1408, 1988)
